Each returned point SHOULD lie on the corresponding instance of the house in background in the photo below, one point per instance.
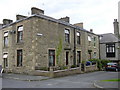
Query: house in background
(110, 44)
(39, 42)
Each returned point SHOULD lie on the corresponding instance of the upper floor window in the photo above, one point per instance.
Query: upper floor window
(94, 38)
(67, 35)
(20, 34)
(5, 39)
(89, 40)
(78, 37)
(110, 50)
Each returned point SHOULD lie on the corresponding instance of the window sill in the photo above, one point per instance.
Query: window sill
(19, 66)
(19, 43)
(5, 47)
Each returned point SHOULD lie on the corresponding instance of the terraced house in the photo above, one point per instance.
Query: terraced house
(39, 42)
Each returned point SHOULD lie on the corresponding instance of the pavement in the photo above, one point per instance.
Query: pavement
(97, 84)
(24, 77)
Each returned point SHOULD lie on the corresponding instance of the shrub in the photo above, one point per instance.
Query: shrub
(73, 66)
(100, 63)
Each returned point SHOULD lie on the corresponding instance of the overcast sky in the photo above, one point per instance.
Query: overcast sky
(95, 14)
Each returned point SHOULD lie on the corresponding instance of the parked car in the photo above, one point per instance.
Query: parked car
(88, 63)
(112, 66)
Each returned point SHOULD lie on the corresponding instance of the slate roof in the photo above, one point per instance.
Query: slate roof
(50, 19)
(108, 38)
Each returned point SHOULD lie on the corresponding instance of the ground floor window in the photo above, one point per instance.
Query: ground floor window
(51, 57)
(78, 57)
(5, 60)
(19, 57)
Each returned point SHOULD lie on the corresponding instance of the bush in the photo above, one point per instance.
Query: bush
(100, 63)
(73, 66)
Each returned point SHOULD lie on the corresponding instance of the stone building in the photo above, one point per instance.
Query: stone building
(110, 44)
(1, 46)
(39, 42)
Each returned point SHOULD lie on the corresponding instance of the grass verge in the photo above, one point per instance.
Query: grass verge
(112, 80)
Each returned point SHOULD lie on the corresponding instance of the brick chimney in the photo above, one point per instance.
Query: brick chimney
(66, 19)
(79, 24)
(37, 11)
(7, 21)
(116, 28)
(19, 17)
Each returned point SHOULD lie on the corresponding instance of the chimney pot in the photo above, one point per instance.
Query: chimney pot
(91, 30)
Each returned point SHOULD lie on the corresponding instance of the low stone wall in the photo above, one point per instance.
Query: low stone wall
(91, 68)
(57, 73)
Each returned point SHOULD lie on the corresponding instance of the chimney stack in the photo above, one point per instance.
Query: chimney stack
(116, 28)
(79, 24)
(66, 19)
(7, 21)
(37, 11)
(19, 17)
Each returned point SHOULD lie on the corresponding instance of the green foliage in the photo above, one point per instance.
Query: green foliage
(100, 63)
(44, 68)
(64, 67)
(73, 66)
(59, 51)
(112, 80)
(83, 61)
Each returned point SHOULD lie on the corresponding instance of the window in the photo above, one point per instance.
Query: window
(110, 50)
(51, 57)
(94, 38)
(20, 34)
(19, 58)
(67, 57)
(78, 37)
(5, 60)
(94, 41)
(94, 44)
(95, 54)
(67, 35)
(89, 40)
(5, 39)
(78, 57)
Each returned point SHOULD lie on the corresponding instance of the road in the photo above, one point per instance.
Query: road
(75, 81)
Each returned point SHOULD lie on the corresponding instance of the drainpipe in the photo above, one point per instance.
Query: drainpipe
(74, 60)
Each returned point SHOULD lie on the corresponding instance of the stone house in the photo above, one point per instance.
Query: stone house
(110, 44)
(0, 46)
(39, 42)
